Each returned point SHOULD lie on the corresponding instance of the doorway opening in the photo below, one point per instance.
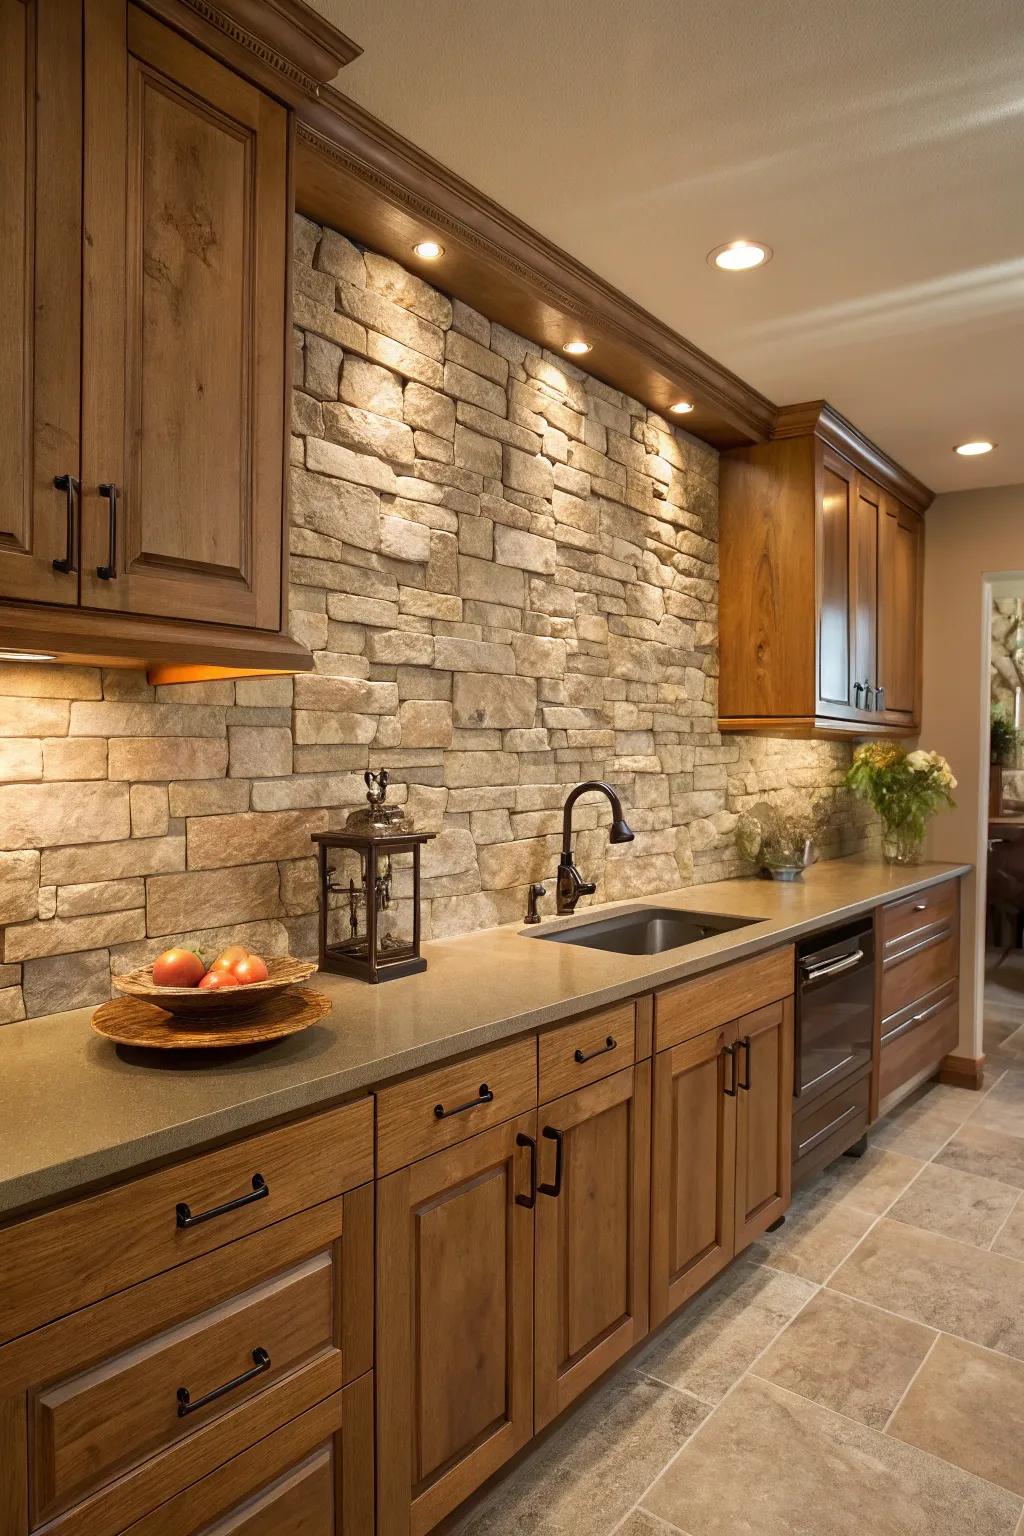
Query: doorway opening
(1001, 846)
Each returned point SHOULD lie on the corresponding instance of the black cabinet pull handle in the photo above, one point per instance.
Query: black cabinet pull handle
(109, 571)
(880, 698)
(185, 1218)
(69, 485)
(485, 1097)
(745, 1045)
(858, 689)
(260, 1363)
(554, 1189)
(609, 1045)
(870, 703)
(530, 1200)
(730, 1051)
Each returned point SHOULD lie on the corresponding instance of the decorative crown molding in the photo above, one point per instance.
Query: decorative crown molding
(285, 35)
(825, 422)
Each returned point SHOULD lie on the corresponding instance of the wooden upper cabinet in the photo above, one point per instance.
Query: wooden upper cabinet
(592, 1235)
(454, 1323)
(40, 296)
(821, 556)
(186, 219)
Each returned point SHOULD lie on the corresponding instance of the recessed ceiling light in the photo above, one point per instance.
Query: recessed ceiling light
(576, 348)
(681, 408)
(740, 255)
(971, 450)
(428, 250)
(27, 655)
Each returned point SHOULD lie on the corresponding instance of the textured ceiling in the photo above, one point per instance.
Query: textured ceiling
(876, 145)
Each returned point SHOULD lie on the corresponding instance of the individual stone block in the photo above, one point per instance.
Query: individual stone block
(112, 861)
(166, 757)
(21, 716)
(470, 323)
(214, 842)
(346, 464)
(452, 852)
(537, 656)
(176, 903)
(62, 935)
(392, 321)
(100, 896)
(386, 277)
(472, 655)
(473, 451)
(150, 816)
(110, 719)
(527, 472)
(259, 752)
(482, 701)
(20, 759)
(402, 539)
(68, 757)
(396, 647)
(313, 691)
(490, 583)
(66, 981)
(414, 602)
(322, 361)
(46, 815)
(305, 238)
(311, 789)
(404, 360)
(208, 797)
(340, 258)
(314, 727)
(19, 886)
(321, 320)
(336, 508)
(429, 410)
(425, 723)
(371, 387)
(524, 551)
(478, 359)
(465, 385)
(300, 887)
(369, 433)
(43, 681)
(470, 769)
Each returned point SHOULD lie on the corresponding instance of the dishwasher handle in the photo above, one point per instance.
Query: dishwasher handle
(832, 967)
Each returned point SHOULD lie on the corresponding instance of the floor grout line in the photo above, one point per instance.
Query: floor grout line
(998, 1232)
(921, 1365)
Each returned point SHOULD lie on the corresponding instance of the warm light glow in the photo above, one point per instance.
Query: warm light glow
(429, 250)
(740, 255)
(576, 348)
(27, 655)
(971, 450)
(681, 408)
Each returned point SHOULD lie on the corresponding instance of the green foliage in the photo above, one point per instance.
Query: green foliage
(1003, 735)
(905, 788)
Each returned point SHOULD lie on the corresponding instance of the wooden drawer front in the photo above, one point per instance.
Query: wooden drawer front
(919, 1041)
(903, 923)
(605, 1040)
(825, 1130)
(54, 1263)
(919, 971)
(87, 1428)
(689, 1009)
(425, 1114)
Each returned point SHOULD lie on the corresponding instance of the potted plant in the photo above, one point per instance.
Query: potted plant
(906, 789)
(780, 843)
(1003, 737)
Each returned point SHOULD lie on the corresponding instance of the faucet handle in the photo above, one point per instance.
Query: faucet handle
(585, 888)
(534, 894)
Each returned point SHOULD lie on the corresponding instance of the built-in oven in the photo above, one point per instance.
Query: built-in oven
(834, 1013)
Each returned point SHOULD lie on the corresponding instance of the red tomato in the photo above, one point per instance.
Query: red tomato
(251, 969)
(215, 981)
(229, 958)
(178, 968)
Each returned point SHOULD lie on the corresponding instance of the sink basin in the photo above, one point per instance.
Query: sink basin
(648, 931)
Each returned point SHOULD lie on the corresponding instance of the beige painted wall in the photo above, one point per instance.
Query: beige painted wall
(973, 538)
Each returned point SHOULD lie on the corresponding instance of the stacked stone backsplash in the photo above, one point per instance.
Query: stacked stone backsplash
(507, 573)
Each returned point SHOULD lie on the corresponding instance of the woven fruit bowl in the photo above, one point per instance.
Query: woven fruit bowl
(283, 972)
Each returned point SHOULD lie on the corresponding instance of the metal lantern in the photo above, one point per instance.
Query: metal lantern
(370, 890)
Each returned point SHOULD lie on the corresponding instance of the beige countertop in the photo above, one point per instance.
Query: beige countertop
(76, 1110)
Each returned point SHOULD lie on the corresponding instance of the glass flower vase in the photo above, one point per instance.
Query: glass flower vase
(901, 845)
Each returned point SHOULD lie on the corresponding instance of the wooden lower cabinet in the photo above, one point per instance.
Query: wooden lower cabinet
(721, 1149)
(455, 1253)
(592, 1235)
(764, 1119)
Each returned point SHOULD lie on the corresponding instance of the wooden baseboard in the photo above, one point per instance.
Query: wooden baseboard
(962, 1071)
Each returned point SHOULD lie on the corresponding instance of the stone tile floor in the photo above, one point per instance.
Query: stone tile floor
(858, 1373)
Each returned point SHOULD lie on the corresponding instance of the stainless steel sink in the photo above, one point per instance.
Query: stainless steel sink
(647, 931)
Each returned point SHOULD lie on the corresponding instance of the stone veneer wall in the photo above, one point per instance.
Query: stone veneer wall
(1007, 650)
(508, 574)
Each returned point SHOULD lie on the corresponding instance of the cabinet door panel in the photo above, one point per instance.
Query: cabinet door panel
(454, 1324)
(40, 292)
(692, 1168)
(835, 533)
(185, 323)
(763, 1119)
(868, 505)
(899, 611)
(592, 1236)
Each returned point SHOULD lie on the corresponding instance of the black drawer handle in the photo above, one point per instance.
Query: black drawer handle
(260, 1363)
(485, 1096)
(185, 1218)
(730, 1051)
(744, 1045)
(109, 571)
(69, 485)
(530, 1200)
(609, 1045)
(554, 1189)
